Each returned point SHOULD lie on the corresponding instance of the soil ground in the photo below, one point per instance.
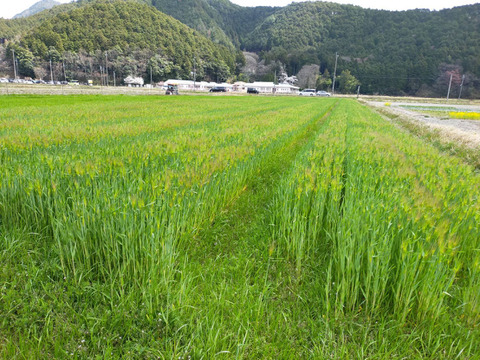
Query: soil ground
(466, 132)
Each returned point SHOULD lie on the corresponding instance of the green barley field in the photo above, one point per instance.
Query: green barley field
(200, 227)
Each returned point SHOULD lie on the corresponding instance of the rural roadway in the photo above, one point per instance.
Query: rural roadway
(466, 132)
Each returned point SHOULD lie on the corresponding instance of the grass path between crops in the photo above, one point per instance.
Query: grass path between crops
(247, 287)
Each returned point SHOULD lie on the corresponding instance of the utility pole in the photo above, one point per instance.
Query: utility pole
(274, 81)
(106, 68)
(151, 77)
(334, 74)
(449, 86)
(14, 65)
(51, 71)
(194, 73)
(114, 79)
(64, 73)
(358, 91)
(461, 87)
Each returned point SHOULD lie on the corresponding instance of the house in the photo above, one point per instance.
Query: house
(239, 86)
(131, 81)
(182, 84)
(190, 85)
(263, 87)
(271, 88)
(227, 86)
(286, 88)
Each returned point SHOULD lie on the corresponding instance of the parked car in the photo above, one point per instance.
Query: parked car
(323, 93)
(252, 91)
(218, 89)
(307, 92)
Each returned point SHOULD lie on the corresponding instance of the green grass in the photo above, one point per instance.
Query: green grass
(230, 227)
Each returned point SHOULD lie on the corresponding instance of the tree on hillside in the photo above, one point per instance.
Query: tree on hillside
(24, 59)
(5, 67)
(307, 76)
(284, 78)
(324, 81)
(162, 68)
(347, 82)
(471, 86)
(40, 72)
(131, 34)
(445, 72)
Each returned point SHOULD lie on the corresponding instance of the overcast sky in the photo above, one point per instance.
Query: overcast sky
(9, 8)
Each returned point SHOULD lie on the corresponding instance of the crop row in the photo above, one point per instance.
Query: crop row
(393, 223)
(262, 227)
(117, 196)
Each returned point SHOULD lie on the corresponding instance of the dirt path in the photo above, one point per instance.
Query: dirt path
(466, 132)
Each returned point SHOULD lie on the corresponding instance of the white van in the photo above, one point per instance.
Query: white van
(307, 92)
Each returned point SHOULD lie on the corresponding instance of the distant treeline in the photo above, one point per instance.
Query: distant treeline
(409, 52)
(126, 37)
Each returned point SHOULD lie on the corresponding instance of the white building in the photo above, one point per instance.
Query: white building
(227, 86)
(190, 85)
(263, 87)
(267, 87)
(239, 86)
(133, 81)
(183, 84)
(286, 88)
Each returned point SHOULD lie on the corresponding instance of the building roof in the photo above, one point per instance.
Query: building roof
(287, 85)
(133, 80)
(262, 84)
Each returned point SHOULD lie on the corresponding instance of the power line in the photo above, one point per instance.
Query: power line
(396, 77)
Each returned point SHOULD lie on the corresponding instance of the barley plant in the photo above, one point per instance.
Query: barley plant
(231, 227)
(400, 240)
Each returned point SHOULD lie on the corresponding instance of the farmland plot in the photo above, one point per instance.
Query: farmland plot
(232, 227)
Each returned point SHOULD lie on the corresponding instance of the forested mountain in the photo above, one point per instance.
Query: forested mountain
(37, 7)
(389, 52)
(131, 38)
(220, 20)
(407, 52)
(197, 14)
